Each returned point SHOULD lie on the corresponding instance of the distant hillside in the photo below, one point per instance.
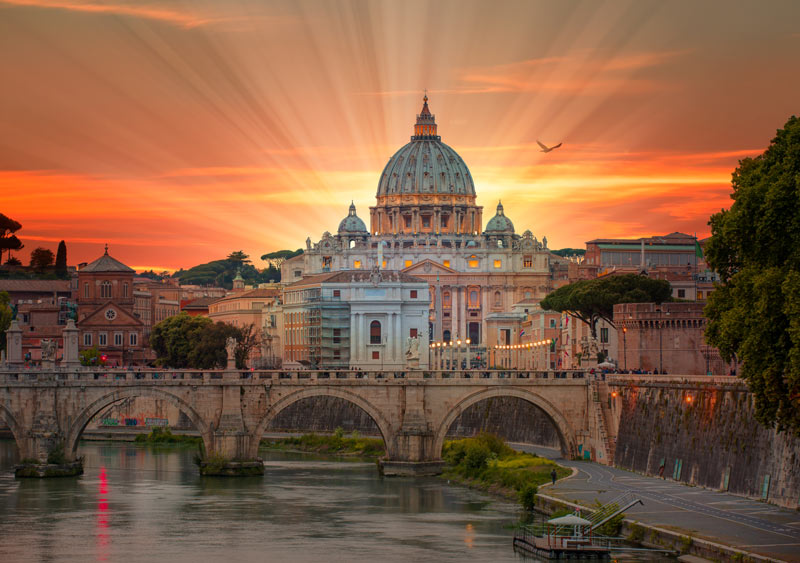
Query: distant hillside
(221, 272)
(564, 252)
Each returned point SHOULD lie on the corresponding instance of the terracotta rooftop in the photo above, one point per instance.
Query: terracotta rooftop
(106, 264)
(43, 286)
(200, 303)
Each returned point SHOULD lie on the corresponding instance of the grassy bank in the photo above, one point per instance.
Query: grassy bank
(164, 436)
(336, 443)
(487, 463)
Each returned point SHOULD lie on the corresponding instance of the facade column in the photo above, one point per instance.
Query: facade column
(399, 341)
(364, 337)
(437, 307)
(355, 337)
(464, 312)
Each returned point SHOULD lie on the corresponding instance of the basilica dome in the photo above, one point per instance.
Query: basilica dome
(352, 223)
(426, 165)
(499, 223)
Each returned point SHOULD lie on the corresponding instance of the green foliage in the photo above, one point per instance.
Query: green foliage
(591, 300)
(208, 346)
(487, 461)
(183, 341)
(527, 497)
(165, 436)
(337, 443)
(222, 272)
(636, 534)
(174, 339)
(13, 261)
(275, 259)
(564, 252)
(61, 260)
(8, 240)
(56, 455)
(755, 247)
(614, 526)
(42, 258)
(91, 357)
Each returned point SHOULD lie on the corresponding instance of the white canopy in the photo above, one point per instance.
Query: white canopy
(569, 520)
(607, 365)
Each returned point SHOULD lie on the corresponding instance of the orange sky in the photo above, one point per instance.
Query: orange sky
(178, 131)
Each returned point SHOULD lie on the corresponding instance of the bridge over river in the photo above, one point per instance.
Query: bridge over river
(231, 409)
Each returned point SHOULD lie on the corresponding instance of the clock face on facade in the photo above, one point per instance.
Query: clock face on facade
(111, 314)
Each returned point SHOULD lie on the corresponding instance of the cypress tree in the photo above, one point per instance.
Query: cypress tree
(61, 260)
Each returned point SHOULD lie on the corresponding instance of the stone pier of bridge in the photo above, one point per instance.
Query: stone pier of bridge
(231, 410)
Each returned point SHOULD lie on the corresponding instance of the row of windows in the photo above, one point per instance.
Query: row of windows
(105, 289)
(634, 258)
(102, 339)
(473, 262)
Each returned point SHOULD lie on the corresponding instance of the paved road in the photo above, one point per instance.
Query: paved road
(743, 523)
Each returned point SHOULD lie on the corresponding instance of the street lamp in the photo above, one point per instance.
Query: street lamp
(467, 341)
(625, 346)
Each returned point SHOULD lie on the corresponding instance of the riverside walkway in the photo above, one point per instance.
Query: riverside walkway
(746, 524)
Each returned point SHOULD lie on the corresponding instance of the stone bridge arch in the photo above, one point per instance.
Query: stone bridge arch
(374, 413)
(8, 417)
(565, 432)
(108, 399)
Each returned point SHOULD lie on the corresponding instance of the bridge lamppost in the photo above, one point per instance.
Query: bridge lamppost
(468, 341)
(625, 347)
(458, 354)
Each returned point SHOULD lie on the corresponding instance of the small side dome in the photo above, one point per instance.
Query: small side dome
(499, 224)
(352, 223)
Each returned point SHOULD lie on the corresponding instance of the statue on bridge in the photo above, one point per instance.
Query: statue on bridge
(49, 349)
(230, 348)
(412, 352)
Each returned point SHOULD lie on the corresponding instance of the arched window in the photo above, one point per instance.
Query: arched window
(105, 289)
(473, 298)
(86, 289)
(375, 332)
(446, 298)
(498, 299)
(446, 336)
(125, 289)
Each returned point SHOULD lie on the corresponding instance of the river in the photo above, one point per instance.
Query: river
(148, 503)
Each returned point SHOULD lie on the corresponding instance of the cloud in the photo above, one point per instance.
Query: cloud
(135, 10)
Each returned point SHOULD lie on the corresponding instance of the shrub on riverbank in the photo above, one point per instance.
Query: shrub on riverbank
(487, 462)
(164, 436)
(337, 443)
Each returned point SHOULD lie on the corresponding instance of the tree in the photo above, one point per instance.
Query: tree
(247, 340)
(239, 257)
(275, 259)
(13, 261)
(41, 258)
(61, 260)
(8, 241)
(5, 317)
(91, 357)
(754, 314)
(592, 300)
(174, 338)
(209, 350)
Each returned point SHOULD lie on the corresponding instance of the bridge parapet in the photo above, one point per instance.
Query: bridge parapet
(232, 409)
(213, 376)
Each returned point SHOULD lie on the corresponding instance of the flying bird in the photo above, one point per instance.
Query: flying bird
(545, 148)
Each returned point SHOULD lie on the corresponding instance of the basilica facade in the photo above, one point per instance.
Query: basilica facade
(426, 223)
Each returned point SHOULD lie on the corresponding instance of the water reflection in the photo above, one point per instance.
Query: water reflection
(143, 503)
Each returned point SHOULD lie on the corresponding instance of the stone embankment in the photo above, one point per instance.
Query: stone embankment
(702, 431)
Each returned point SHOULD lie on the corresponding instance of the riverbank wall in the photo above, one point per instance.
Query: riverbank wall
(659, 538)
(702, 431)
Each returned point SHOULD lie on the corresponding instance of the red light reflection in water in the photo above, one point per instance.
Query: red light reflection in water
(103, 538)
